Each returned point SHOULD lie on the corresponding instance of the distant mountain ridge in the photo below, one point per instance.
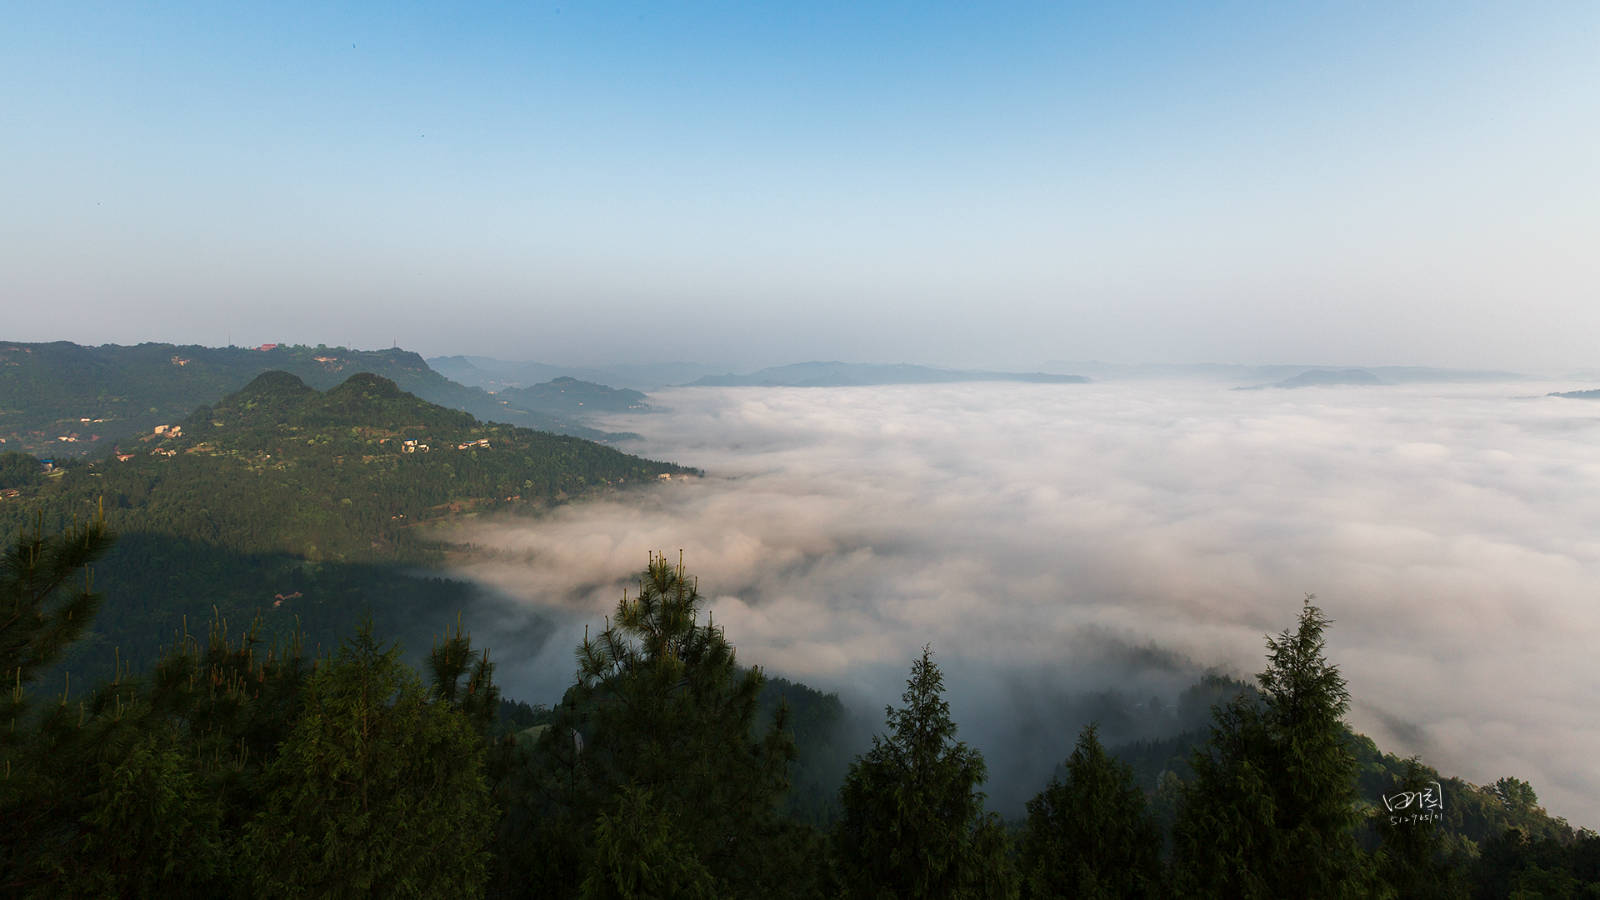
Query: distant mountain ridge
(1323, 378)
(567, 396)
(64, 399)
(841, 374)
(1236, 373)
(504, 376)
(499, 374)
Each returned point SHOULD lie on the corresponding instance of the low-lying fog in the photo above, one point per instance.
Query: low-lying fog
(1054, 541)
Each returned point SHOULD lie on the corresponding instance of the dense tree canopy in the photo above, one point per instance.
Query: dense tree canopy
(1415, 857)
(237, 766)
(662, 709)
(375, 792)
(42, 610)
(1272, 810)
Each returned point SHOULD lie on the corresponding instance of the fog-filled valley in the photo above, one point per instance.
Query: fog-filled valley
(679, 657)
(810, 451)
(1053, 542)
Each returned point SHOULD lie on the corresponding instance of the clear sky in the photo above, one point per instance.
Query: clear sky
(951, 183)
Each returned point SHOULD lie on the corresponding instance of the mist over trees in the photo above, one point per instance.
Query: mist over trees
(238, 766)
(914, 823)
(1272, 808)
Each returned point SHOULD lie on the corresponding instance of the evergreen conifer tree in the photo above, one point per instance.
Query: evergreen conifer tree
(45, 766)
(1271, 811)
(661, 706)
(150, 830)
(1091, 836)
(914, 823)
(37, 621)
(376, 791)
(478, 697)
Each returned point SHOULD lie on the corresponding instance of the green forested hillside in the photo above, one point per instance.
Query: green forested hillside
(344, 475)
(65, 400)
(298, 506)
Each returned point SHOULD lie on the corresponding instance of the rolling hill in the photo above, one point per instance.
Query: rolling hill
(300, 505)
(346, 474)
(499, 374)
(566, 396)
(65, 400)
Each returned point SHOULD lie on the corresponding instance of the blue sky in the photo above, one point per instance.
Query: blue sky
(761, 183)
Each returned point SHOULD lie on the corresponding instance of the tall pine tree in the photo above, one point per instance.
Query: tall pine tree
(663, 709)
(40, 610)
(914, 823)
(1092, 835)
(47, 600)
(1271, 811)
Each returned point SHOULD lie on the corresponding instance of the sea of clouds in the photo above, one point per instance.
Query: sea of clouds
(1057, 541)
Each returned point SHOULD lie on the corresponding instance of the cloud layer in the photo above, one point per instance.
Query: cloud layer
(1055, 541)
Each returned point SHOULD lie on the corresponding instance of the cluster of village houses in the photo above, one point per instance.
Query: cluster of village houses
(174, 431)
(72, 438)
(165, 431)
(416, 447)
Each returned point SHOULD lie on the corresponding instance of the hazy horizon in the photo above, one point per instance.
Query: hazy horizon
(1086, 365)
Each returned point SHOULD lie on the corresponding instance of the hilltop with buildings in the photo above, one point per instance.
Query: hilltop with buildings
(259, 470)
(305, 505)
(69, 400)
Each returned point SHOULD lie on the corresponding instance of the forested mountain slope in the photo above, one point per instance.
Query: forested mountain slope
(293, 503)
(64, 400)
(345, 474)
